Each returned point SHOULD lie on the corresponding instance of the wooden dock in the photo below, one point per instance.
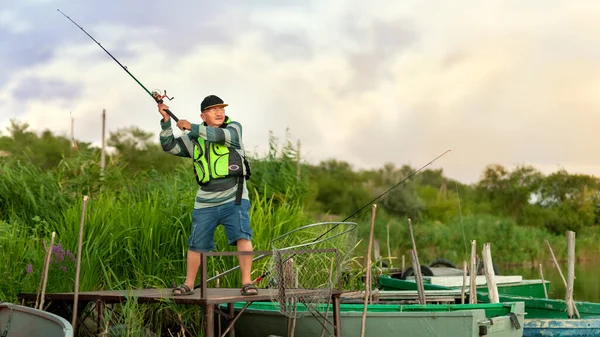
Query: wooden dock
(214, 297)
(207, 298)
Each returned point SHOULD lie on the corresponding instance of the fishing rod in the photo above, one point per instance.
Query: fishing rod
(155, 94)
(158, 98)
(261, 277)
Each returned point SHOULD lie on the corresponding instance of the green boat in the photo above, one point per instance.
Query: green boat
(263, 319)
(536, 305)
(546, 308)
(544, 317)
(18, 320)
(507, 285)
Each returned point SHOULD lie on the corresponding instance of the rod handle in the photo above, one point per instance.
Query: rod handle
(172, 115)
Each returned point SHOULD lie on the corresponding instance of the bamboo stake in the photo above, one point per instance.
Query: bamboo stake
(73, 142)
(464, 285)
(39, 289)
(489, 273)
(416, 264)
(418, 277)
(556, 262)
(570, 274)
(388, 245)
(46, 271)
(543, 282)
(79, 244)
(103, 145)
(559, 271)
(473, 274)
(298, 166)
(403, 264)
(368, 276)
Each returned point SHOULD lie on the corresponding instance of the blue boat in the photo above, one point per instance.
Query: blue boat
(562, 327)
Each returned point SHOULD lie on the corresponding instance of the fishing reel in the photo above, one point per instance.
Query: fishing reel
(158, 97)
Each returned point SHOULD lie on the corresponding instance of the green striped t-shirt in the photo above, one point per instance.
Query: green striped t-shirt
(230, 135)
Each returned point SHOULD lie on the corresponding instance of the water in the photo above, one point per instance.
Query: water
(587, 275)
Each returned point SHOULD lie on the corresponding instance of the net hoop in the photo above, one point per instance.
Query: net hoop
(352, 226)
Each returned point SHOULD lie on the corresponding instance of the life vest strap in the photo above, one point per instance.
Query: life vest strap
(238, 194)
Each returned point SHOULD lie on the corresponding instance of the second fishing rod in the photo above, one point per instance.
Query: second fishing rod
(261, 277)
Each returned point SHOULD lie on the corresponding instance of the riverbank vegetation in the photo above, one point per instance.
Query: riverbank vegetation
(139, 212)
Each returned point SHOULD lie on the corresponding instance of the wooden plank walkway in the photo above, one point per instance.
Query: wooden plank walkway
(214, 297)
(207, 298)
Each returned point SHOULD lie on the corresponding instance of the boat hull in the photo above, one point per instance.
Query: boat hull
(262, 319)
(546, 308)
(533, 288)
(544, 317)
(562, 327)
(26, 321)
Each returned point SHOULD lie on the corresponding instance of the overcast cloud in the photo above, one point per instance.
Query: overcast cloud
(506, 82)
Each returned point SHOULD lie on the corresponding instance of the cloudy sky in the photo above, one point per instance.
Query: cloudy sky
(369, 82)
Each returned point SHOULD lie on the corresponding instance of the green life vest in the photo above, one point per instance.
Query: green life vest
(215, 161)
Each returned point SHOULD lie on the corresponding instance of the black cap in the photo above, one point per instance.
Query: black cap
(211, 101)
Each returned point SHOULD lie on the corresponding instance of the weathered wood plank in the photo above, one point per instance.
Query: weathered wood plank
(214, 295)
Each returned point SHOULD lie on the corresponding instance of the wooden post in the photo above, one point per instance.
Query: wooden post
(418, 277)
(77, 270)
(473, 274)
(103, 150)
(290, 282)
(376, 251)
(209, 320)
(298, 168)
(337, 317)
(416, 264)
(543, 282)
(39, 288)
(73, 142)
(570, 273)
(560, 272)
(388, 245)
(414, 245)
(403, 264)
(489, 273)
(46, 271)
(368, 276)
(464, 285)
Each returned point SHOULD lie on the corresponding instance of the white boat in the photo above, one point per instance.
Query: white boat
(18, 320)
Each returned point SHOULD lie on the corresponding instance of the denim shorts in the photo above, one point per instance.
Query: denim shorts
(235, 219)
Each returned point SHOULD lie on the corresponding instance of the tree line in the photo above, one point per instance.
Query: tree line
(557, 202)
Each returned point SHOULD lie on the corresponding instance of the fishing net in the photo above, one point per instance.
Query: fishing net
(307, 264)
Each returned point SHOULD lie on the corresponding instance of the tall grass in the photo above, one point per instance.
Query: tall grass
(135, 233)
(136, 230)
